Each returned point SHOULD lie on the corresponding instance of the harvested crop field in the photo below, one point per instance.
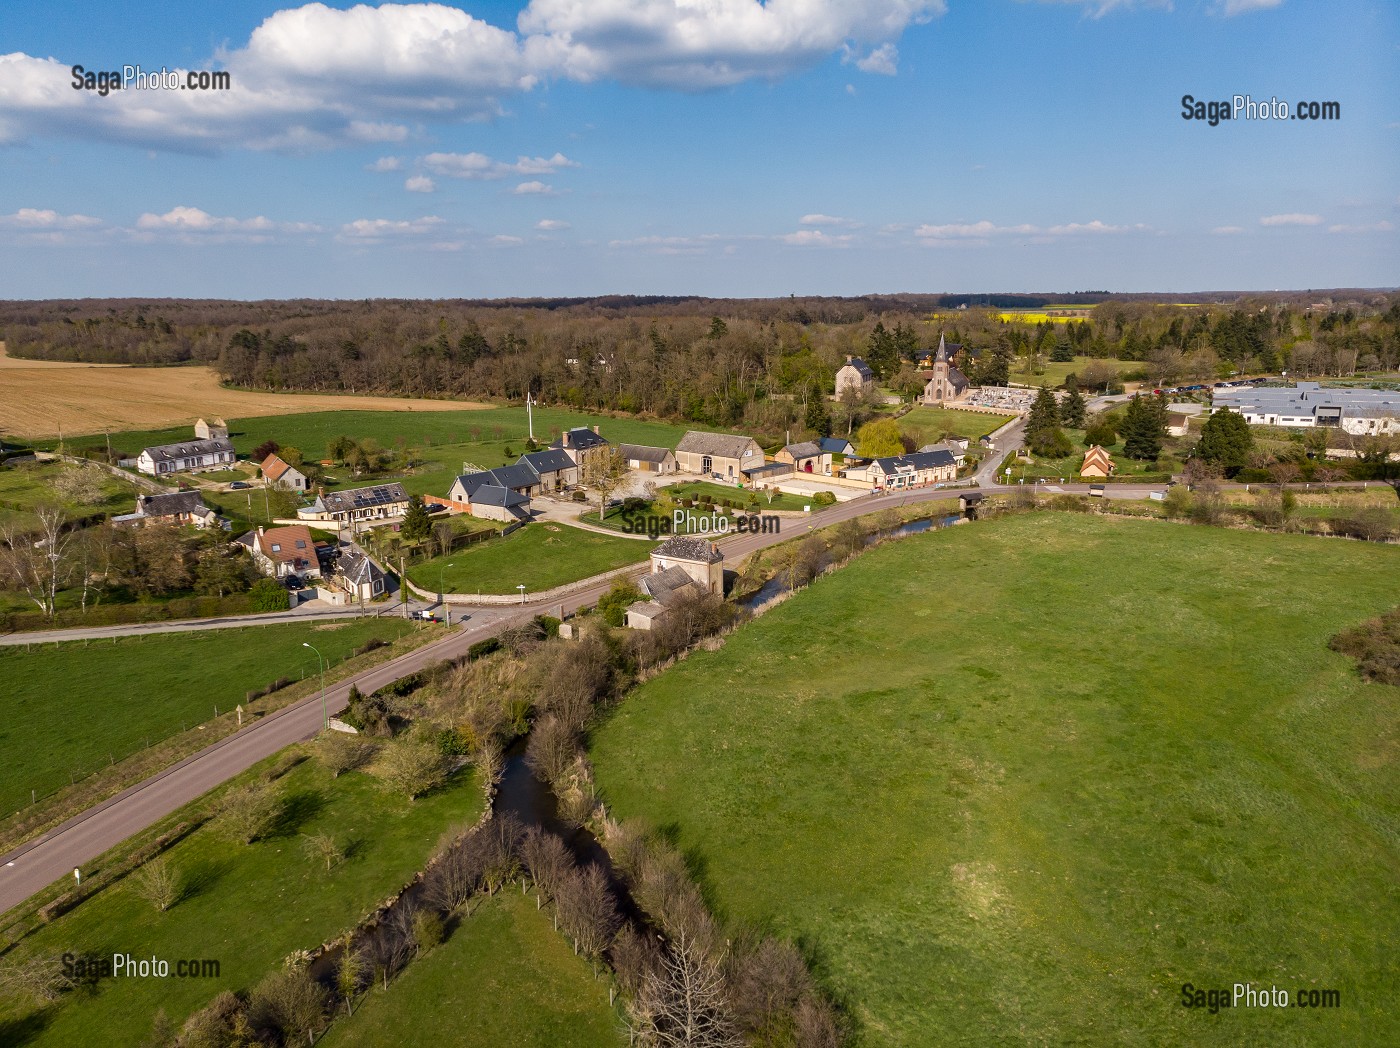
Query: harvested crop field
(40, 398)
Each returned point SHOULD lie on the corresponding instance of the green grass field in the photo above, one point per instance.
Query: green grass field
(24, 486)
(541, 555)
(248, 907)
(505, 977)
(928, 425)
(1056, 371)
(780, 501)
(1092, 761)
(313, 431)
(69, 706)
(1068, 467)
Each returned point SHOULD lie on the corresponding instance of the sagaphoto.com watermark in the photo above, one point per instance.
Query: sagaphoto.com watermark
(1246, 107)
(135, 78)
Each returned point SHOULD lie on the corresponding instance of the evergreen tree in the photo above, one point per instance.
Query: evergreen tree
(417, 523)
(1044, 416)
(818, 419)
(1225, 441)
(882, 353)
(1142, 430)
(1072, 410)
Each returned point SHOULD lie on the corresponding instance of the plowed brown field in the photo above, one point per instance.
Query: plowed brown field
(42, 398)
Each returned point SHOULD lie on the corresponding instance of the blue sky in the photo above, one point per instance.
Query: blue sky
(573, 147)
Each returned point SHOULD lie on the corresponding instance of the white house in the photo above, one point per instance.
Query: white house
(192, 456)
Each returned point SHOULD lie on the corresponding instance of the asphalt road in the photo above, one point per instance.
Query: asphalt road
(84, 837)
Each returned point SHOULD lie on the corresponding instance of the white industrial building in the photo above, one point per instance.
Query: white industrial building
(1358, 411)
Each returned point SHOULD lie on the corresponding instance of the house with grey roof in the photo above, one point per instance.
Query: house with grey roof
(588, 448)
(805, 457)
(647, 459)
(554, 470)
(190, 456)
(177, 507)
(354, 506)
(717, 454)
(682, 566)
(493, 494)
(855, 375)
(901, 472)
(359, 576)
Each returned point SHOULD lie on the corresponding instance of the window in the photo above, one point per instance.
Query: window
(276, 548)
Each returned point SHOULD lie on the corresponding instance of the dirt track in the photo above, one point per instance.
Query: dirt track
(41, 398)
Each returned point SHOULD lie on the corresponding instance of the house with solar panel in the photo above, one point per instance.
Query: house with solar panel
(357, 506)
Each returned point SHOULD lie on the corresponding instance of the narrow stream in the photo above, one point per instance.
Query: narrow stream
(521, 793)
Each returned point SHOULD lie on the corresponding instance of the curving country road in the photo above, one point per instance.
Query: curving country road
(87, 835)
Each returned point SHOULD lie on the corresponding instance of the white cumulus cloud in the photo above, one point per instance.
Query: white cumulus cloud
(36, 218)
(419, 184)
(534, 188)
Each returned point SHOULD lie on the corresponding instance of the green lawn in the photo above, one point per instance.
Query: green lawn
(540, 555)
(781, 501)
(250, 905)
(1056, 371)
(24, 486)
(313, 431)
(1068, 467)
(505, 977)
(1025, 799)
(928, 425)
(70, 708)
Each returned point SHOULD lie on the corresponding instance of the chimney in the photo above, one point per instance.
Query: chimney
(595, 429)
(566, 441)
(849, 358)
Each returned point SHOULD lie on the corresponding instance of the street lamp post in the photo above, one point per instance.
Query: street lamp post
(442, 591)
(321, 661)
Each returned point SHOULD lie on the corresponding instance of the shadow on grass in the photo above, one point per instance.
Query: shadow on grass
(201, 876)
(27, 1027)
(298, 808)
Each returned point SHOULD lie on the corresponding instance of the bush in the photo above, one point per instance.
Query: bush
(269, 595)
(824, 498)
(482, 648)
(1252, 475)
(548, 625)
(277, 685)
(579, 496)
(369, 646)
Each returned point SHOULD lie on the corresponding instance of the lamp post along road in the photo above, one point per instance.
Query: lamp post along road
(320, 660)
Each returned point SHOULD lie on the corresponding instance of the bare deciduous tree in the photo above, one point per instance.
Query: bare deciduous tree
(323, 847)
(158, 882)
(684, 1005)
(250, 812)
(38, 561)
(341, 752)
(587, 910)
(411, 766)
(547, 860)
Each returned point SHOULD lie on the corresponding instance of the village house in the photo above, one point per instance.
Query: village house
(1097, 463)
(681, 566)
(834, 446)
(191, 456)
(554, 470)
(178, 507)
(280, 552)
(946, 383)
(646, 459)
(1178, 423)
(855, 374)
(717, 454)
(216, 430)
(280, 474)
(359, 576)
(354, 506)
(901, 472)
(955, 446)
(586, 447)
(492, 494)
(805, 457)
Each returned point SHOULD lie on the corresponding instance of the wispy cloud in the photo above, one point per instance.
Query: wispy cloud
(482, 167)
(827, 220)
(1376, 227)
(1292, 219)
(551, 224)
(533, 188)
(1226, 231)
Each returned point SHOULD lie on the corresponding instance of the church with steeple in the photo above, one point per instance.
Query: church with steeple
(947, 383)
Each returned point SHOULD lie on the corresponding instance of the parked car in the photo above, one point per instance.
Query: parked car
(239, 485)
(423, 615)
(292, 582)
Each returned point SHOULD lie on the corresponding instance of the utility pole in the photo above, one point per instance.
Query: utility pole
(403, 587)
(325, 716)
(529, 414)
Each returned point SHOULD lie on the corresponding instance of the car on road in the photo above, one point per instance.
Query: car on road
(1096, 490)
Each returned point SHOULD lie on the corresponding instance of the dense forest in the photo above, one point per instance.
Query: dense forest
(721, 362)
